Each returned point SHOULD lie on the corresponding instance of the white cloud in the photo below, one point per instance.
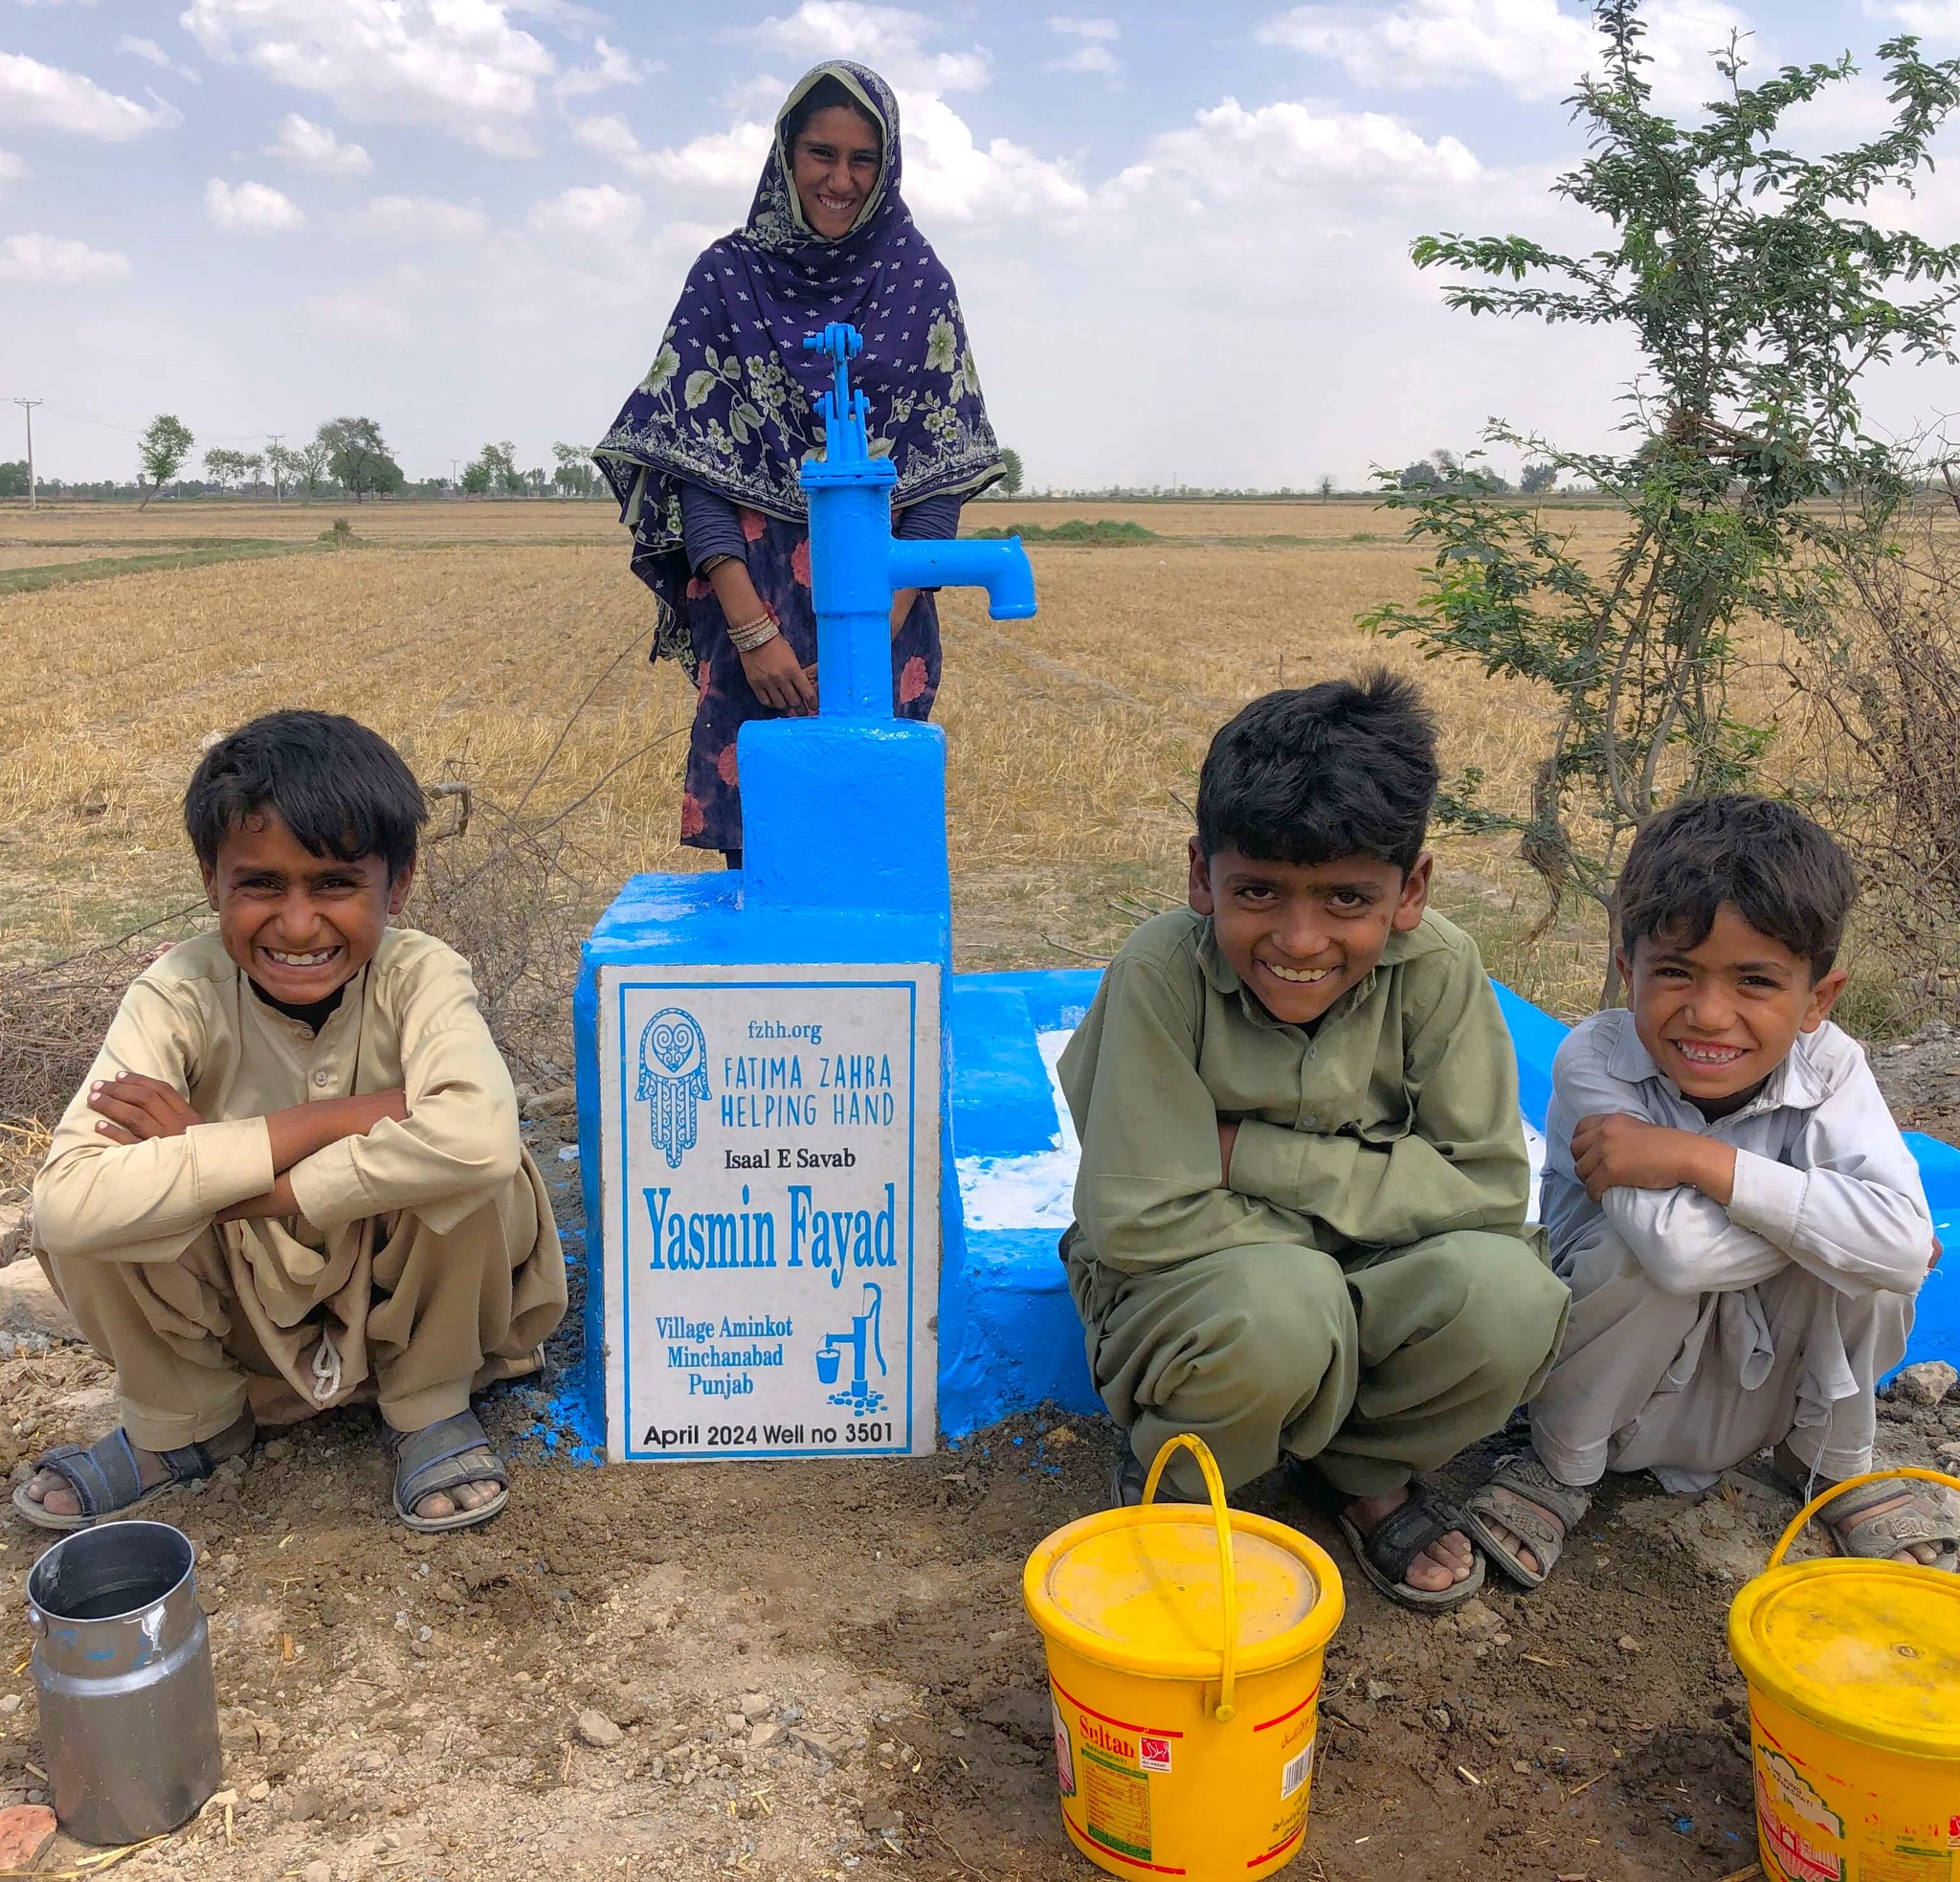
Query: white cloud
(52, 99)
(1939, 18)
(597, 212)
(455, 66)
(1094, 42)
(717, 160)
(891, 38)
(1534, 49)
(612, 67)
(418, 219)
(256, 207)
(310, 146)
(152, 53)
(360, 312)
(950, 177)
(1229, 153)
(1090, 58)
(58, 260)
(11, 169)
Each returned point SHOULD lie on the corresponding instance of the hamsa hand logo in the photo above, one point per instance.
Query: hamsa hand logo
(672, 1079)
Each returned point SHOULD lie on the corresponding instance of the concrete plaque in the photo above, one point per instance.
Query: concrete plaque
(771, 1185)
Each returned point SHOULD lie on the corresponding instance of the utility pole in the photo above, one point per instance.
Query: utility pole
(275, 440)
(26, 405)
(453, 463)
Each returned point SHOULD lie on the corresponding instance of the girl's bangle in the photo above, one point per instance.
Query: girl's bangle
(751, 635)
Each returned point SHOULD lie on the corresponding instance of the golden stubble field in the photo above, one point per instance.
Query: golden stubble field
(480, 636)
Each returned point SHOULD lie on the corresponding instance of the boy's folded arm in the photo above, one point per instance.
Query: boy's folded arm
(1461, 1163)
(1149, 1188)
(455, 1147)
(145, 1201)
(1857, 1215)
(1687, 1243)
(1857, 1218)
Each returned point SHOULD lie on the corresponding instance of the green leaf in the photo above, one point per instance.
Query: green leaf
(698, 386)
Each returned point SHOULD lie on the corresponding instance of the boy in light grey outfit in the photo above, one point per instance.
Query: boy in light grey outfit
(1742, 1226)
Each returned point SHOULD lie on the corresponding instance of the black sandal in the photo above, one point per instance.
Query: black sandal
(107, 1480)
(444, 1456)
(1386, 1552)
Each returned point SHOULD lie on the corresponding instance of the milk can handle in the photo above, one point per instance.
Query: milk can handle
(1816, 1503)
(1228, 1583)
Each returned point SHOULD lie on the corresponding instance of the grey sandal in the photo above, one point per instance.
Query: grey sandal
(1387, 1550)
(1855, 1529)
(1522, 1496)
(107, 1480)
(443, 1457)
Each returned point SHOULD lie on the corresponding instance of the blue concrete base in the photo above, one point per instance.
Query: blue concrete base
(1009, 1336)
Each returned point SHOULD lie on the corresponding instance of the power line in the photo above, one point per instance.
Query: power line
(26, 405)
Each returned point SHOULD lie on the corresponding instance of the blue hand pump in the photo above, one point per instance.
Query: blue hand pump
(855, 564)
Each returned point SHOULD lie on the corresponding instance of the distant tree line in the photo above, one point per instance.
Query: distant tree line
(347, 456)
(1444, 473)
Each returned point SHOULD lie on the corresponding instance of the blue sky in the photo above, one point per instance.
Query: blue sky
(1180, 233)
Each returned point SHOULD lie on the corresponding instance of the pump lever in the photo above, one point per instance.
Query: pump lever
(842, 343)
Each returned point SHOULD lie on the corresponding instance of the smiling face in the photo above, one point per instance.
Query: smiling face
(300, 925)
(835, 167)
(1718, 1019)
(1300, 934)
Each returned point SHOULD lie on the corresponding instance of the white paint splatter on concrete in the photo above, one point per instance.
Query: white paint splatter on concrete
(1037, 1191)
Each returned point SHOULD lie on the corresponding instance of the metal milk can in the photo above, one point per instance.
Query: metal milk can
(121, 1658)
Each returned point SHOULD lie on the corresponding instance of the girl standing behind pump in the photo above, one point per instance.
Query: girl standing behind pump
(703, 455)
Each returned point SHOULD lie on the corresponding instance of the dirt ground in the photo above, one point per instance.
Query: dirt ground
(412, 1706)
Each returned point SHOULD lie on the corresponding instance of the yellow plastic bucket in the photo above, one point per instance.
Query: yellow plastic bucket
(1184, 1667)
(1854, 1675)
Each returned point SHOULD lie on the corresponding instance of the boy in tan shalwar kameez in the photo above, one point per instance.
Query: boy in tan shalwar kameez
(293, 1174)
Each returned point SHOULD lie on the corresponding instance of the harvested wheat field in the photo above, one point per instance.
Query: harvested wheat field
(651, 1673)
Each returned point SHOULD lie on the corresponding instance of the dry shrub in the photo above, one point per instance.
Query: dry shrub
(52, 1023)
(1881, 750)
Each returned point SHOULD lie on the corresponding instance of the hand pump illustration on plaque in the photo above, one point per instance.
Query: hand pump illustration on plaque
(861, 1340)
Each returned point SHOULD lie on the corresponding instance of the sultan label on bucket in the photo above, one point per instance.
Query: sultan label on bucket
(771, 1188)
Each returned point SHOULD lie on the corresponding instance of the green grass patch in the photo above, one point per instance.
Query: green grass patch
(1076, 530)
(31, 581)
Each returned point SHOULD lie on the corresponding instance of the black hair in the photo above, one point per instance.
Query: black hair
(1318, 772)
(1786, 876)
(342, 790)
(830, 90)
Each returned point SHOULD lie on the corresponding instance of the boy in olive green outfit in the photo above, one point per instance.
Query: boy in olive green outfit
(1299, 1213)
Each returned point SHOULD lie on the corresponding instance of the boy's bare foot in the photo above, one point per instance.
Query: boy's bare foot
(1877, 1517)
(56, 1495)
(441, 1503)
(1446, 1561)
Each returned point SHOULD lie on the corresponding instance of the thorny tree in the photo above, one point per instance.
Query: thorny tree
(1757, 291)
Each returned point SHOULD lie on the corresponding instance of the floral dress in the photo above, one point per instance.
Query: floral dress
(779, 566)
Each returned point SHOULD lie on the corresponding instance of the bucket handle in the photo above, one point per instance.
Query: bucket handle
(1816, 1503)
(1228, 1581)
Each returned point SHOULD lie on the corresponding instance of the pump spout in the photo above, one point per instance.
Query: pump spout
(1000, 566)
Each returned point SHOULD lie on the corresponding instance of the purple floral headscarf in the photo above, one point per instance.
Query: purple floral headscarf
(729, 403)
